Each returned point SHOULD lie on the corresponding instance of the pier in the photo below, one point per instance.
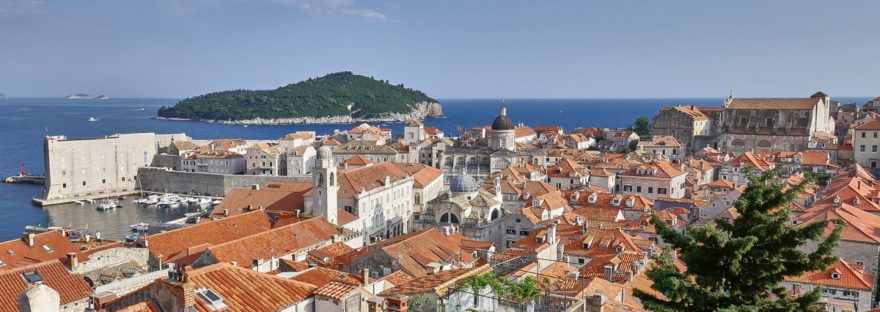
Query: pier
(27, 179)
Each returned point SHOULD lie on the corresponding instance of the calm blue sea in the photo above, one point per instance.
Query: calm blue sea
(25, 121)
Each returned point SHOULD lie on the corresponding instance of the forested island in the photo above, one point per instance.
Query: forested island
(335, 98)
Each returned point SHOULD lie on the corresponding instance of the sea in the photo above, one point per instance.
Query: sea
(24, 122)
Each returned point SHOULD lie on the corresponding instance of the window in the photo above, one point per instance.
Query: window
(104, 181)
(863, 134)
(32, 277)
(639, 188)
(874, 148)
(518, 220)
(875, 134)
(511, 231)
(861, 148)
(627, 188)
(661, 190)
(84, 183)
(63, 185)
(650, 190)
(524, 233)
(581, 261)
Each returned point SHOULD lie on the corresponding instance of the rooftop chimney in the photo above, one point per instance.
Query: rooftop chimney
(255, 187)
(72, 260)
(225, 212)
(609, 269)
(180, 288)
(366, 275)
(28, 238)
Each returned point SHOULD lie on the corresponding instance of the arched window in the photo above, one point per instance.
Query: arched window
(738, 142)
(449, 218)
(495, 214)
(332, 178)
(764, 143)
(320, 179)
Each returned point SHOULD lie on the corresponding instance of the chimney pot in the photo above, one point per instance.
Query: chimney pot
(72, 260)
(29, 239)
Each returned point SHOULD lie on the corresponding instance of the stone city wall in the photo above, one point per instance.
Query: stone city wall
(209, 184)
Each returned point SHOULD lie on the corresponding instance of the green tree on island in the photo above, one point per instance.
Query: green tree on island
(738, 265)
(642, 127)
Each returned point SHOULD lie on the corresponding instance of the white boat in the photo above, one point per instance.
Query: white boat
(204, 202)
(92, 119)
(89, 200)
(140, 227)
(79, 202)
(107, 205)
(216, 202)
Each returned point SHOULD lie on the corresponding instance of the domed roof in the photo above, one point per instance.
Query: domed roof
(502, 122)
(463, 183)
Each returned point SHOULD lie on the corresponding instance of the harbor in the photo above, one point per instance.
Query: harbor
(126, 217)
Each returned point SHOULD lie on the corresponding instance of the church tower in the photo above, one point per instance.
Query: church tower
(413, 132)
(502, 135)
(324, 185)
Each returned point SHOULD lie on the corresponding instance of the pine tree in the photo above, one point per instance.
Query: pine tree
(738, 265)
(642, 127)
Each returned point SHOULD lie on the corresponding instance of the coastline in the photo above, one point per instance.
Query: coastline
(330, 120)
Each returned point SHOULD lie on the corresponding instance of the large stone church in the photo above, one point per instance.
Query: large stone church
(499, 152)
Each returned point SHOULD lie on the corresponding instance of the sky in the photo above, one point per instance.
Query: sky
(448, 48)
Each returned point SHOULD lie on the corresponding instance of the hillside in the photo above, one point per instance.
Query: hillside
(337, 97)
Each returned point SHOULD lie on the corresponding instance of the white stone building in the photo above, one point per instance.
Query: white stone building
(653, 180)
(214, 161)
(300, 161)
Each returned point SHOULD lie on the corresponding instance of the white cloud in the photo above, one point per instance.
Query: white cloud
(364, 13)
(15, 8)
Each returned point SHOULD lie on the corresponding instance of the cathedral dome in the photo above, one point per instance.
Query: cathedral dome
(502, 122)
(463, 183)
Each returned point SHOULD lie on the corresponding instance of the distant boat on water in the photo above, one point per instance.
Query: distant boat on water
(83, 96)
(92, 119)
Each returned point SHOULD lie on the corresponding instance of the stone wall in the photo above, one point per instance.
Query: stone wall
(164, 180)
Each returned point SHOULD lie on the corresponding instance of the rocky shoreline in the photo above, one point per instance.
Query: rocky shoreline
(421, 111)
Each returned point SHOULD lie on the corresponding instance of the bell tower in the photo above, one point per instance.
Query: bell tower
(324, 185)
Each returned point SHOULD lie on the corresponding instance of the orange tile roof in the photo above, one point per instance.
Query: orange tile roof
(859, 226)
(70, 287)
(662, 140)
(17, 253)
(293, 266)
(839, 274)
(397, 278)
(749, 159)
(774, 103)
(422, 174)
(567, 168)
(873, 124)
(437, 284)
(521, 132)
(141, 307)
(274, 243)
(353, 182)
(660, 168)
(815, 158)
(275, 196)
(414, 251)
(298, 135)
(320, 277)
(582, 198)
(330, 252)
(336, 290)
(170, 244)
(722, 183)
(344, 217)
(247, 290)
(357, 160)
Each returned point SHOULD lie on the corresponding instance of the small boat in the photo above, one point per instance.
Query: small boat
(108, 205)
(92, 119)
(204, 202)
(216, 202)
(131, 238)
(79, 202)
(245, 126)
(140, 227)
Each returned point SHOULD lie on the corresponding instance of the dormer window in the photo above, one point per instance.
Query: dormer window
(835, 276)
(593, 198)
(618, 248)
(615, 201)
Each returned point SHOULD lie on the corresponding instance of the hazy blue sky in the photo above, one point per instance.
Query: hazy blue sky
(449, 49)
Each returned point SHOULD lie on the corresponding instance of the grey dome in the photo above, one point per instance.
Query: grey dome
(463, 184)
(502, 122)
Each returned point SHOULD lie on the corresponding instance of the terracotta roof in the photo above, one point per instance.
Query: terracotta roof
(298, 135)
(690, 110)
(226, 143)
(659, 168)
(344, 217)
(521, 132)
(859, 226)
(147, 306)
(355, 181)
(320, 277)
(330, 252)
(213, 154)
(415, 251)
(749, 159)
(357, 160)
(336, 290)
(432, 131)
(247, 290)
(437, 284)
(721, 183)
(583, 198)
(47, 246)
(422, 174)
(774, 103)
(266, 148)
(839, 274)
(567, 168)
(661, 140)
(397, 277)
(288, 265)
(469, 245)
(873, 124)
(274, 243)
(172, 243)
(275, 196)
(70, 287)
(815, 158)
